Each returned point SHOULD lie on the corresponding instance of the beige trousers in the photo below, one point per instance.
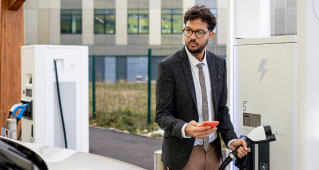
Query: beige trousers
(204, 160)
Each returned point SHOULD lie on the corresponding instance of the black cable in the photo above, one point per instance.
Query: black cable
(225, 163)
(60, 105)
(9, 115)
(233, 155)
(19, 137)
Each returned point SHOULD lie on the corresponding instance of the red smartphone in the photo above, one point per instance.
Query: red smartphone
(212, 124)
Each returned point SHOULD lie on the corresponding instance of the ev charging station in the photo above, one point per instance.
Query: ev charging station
(273, 81)
(43, 124)
(265, 93)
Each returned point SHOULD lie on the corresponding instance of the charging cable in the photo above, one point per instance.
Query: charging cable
(60, 105)
(16, 107)
(233, 155)
(261, 134)
(13, 111)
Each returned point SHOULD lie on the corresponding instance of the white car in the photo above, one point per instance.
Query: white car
(17, 155)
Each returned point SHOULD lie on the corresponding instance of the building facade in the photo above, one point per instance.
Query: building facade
(120, 32)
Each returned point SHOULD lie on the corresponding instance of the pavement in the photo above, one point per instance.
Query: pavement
(134, 149)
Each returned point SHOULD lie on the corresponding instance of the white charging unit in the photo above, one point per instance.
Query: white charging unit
(265, 93)
(38, 84)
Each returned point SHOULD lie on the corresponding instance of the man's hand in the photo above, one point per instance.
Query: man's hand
(192, 129)
(243, 150)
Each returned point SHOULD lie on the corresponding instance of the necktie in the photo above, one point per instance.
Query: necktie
(204, 100)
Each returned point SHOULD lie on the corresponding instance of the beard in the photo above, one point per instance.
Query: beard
(197, 50)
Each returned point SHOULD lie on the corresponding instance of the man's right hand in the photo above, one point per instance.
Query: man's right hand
(192, 129)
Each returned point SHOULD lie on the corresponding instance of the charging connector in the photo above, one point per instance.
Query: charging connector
(28, 111)
(261, 134)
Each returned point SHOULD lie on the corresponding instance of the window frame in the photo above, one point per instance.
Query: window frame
(71, 15)
(104, 18)
(138, 21)
(171, 20)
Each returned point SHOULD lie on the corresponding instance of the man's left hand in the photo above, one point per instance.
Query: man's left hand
(243, 150)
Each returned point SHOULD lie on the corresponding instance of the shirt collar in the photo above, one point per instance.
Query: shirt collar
(193, 60)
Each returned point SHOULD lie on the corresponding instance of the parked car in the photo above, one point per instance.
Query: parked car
(17, 155)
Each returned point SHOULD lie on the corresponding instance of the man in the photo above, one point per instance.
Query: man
(191, 88)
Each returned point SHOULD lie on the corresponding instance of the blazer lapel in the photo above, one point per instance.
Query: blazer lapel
(188, 74)
(212, 72)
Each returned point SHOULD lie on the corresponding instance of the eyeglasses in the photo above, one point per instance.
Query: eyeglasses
(199, 34)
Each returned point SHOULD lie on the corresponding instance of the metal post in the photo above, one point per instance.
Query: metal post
(149, 86)
(93, 86)
(158, 165)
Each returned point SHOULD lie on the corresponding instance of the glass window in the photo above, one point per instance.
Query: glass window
(138, 21)
(172, 21)
(104, 21)
(71, 21)
(214, 11)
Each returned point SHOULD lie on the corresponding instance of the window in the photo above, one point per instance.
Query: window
(104, 21)
(71, 21)
(172, 21)
(214, 11)
(137, 21)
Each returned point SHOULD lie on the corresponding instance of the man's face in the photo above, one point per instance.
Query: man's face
(194, 43)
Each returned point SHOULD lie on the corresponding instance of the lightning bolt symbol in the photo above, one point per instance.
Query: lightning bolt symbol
(262, 69)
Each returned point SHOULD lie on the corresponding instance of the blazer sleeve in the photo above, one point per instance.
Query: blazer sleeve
(226, 127)
(165, 102)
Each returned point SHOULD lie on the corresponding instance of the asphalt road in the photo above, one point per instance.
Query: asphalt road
(134, 149)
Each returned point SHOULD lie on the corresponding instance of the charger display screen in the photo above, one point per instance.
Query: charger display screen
(28, 92)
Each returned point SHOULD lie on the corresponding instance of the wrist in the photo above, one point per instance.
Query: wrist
(230, 143)
(186, 129)
(184, 134)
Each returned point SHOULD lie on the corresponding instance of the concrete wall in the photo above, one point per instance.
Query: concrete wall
(121, 24)
(43, 23)
(87, 22)
(71, 39)
(31, 25)
(104, 4)
(71, 4)
(155, 24)
(173, 3)
(136, 4)
(104, 39)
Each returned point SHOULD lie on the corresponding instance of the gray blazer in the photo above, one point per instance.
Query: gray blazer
(176, 104)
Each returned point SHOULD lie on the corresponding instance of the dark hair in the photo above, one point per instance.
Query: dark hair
(203, 13)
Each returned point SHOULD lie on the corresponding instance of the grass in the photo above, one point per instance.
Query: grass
(123, 105)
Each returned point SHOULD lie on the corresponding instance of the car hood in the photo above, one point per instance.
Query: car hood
(61, 159)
